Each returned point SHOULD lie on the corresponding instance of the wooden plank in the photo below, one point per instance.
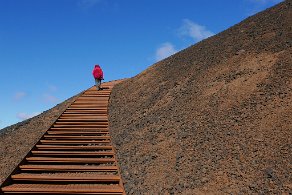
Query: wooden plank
(73, 168)
(97, 132)
(75, 142)
(66, 147)
(69, 177)
(66, 189)
(72, 153)
(70, 160)
(78, 137)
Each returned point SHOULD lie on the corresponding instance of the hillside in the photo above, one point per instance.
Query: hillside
(214, 118)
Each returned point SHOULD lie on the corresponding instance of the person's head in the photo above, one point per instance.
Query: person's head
(97, 66)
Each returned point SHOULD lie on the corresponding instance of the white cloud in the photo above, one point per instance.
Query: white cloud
(19, 95)
(24, 116)
(48, 98)
(187, 29)
(86, 4)
(164, 51)
(194, 30)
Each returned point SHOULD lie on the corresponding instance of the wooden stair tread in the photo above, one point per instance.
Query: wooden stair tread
(78, 142)
(61, 147)
(66, 153)
(84, 177)
(71, 188)
(67, 168)
(81, 137)
(70, 159)
(76, 132)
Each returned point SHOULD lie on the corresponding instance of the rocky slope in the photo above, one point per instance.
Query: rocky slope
(214, 118)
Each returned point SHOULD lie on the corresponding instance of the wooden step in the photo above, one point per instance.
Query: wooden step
(93, 119)
(74, 142)
(98, 107)
(61, 147)
(80, 111)
(78, 137)
(83, 116)
(69, 177)
(73, 168)
(77, 133)
(89, 99)
(94, 102)
(70, 160)
(72, 153)
(81, 126)
(85, 123)
(89, 106)
(62, 189)
(91, 103)
(96, 96)
(90, 114)
(103, 129)
(95, 109)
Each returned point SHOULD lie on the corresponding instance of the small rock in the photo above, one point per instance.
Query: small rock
(240, 52)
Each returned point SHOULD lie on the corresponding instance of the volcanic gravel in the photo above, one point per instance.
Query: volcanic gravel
(17, 140)
(214, 118)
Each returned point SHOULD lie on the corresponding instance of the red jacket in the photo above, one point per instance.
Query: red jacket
(97, 72)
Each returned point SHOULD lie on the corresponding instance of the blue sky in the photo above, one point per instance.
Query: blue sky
(49, 47)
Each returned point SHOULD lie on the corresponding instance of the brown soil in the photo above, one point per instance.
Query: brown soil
(214, 118)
